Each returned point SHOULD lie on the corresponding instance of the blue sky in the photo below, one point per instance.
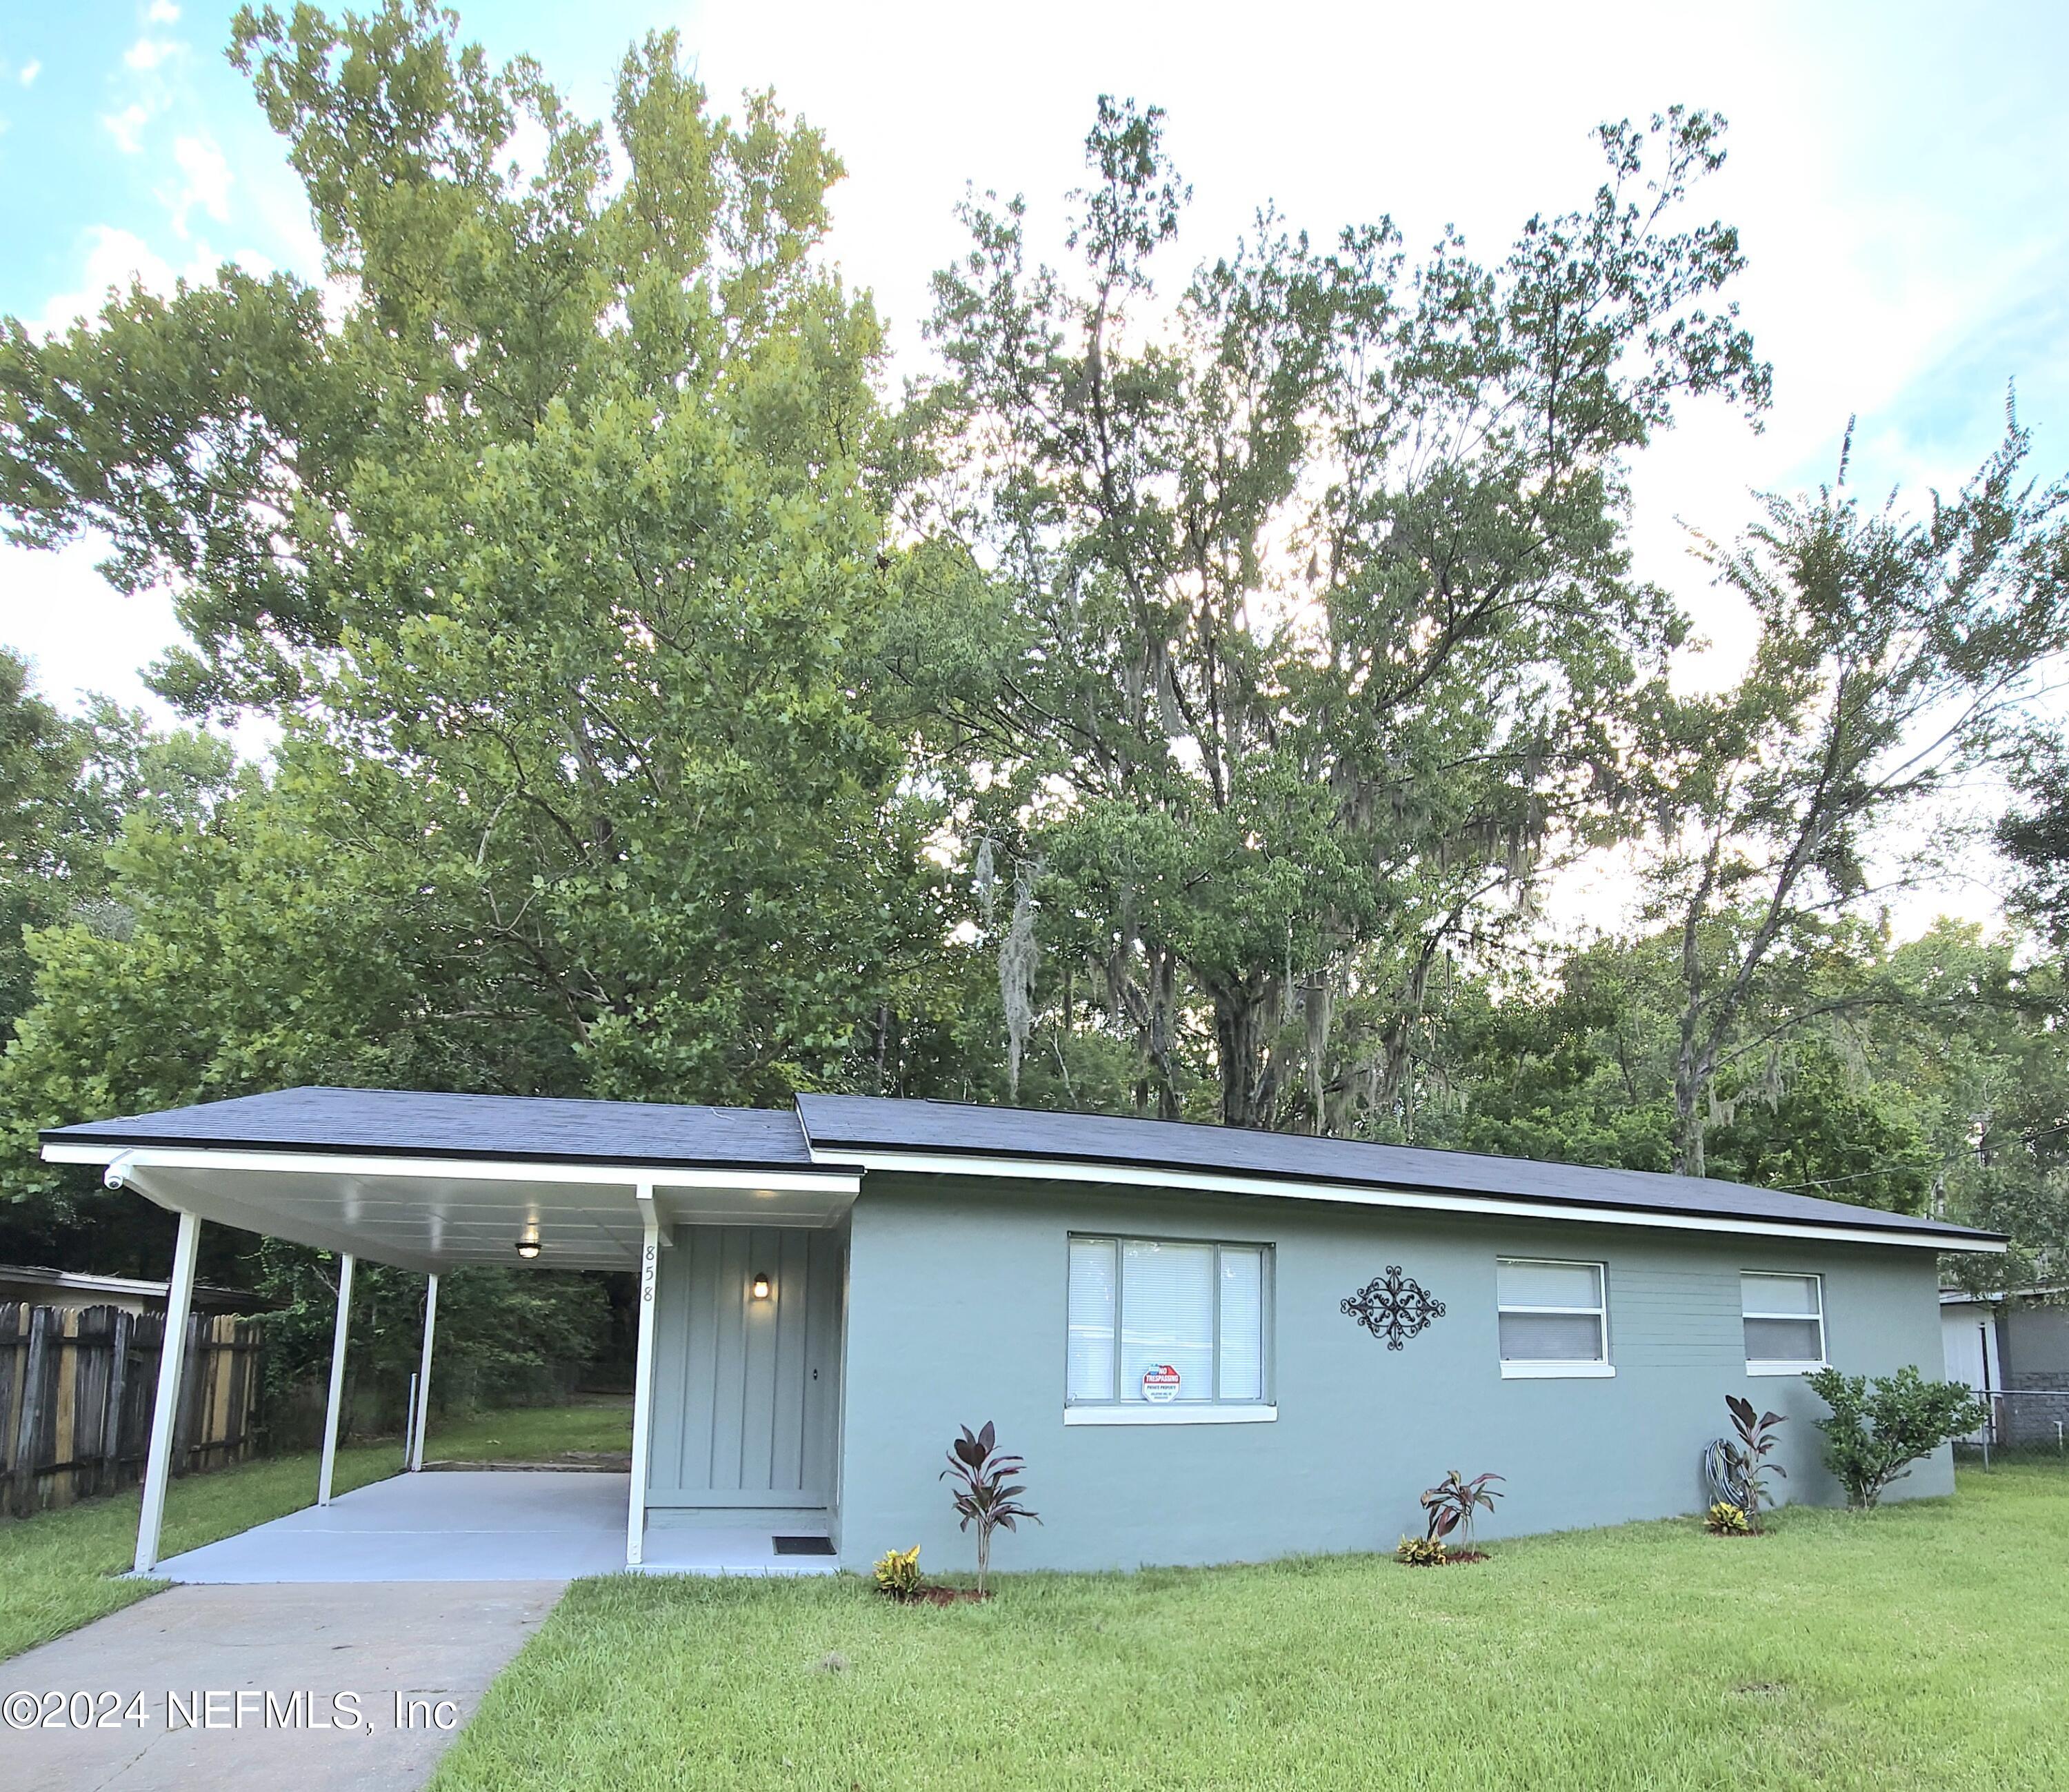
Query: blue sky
(1897, 171)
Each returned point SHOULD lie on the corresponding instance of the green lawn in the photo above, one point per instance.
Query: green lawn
(1922, 1647)
(533, 1434)
(58, 1568)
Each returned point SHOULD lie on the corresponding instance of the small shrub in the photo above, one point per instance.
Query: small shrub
(1452, 1502)
(898, 1571)
(984, 1496)
(1737, 1467)
(1421, 1552)
(1726, 1519)
(1876, 1431)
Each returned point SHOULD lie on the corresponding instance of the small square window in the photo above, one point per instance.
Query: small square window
(1783, 1317)
(1553, 1317)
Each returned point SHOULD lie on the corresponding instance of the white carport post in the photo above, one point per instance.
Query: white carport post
(164, 1414)
(643, 1379)
(424, 1377)
(337, 1377)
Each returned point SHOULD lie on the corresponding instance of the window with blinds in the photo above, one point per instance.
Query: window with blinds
(1785, 1322)
(1167, 1322)
(1553, 1316)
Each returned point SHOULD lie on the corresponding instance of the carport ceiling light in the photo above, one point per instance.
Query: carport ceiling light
(528, 1244)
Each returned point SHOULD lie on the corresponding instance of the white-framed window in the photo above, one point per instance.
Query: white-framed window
(1168, 1331)
(1785, 1322)
(1553, 1317)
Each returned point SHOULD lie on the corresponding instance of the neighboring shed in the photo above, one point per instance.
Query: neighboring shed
(2012, 1346)
(75, 1291)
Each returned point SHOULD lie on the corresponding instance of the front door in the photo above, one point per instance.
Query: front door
(746, 1382)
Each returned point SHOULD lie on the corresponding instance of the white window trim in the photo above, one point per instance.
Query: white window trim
(1783, 1366)
(1200, 1412)
(1210, 1412)
(1528, 1369)
(1516, 1368)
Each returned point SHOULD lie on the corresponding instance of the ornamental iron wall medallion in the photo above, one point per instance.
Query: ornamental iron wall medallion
(1393, 1306)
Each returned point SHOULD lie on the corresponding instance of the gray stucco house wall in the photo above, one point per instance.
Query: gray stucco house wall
(957, 1305)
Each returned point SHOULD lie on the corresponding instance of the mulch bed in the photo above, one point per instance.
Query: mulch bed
(1456, 1557)
(939, 1596)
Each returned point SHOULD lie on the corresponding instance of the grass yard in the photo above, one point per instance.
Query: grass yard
(58, 1569)
(533, 1433)
(1922, 1647)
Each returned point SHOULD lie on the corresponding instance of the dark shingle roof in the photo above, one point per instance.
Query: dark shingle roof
(534, 1128)
(833, 1122)
(538, 1129)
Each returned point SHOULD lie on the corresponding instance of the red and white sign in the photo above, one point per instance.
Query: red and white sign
(1160, 1383)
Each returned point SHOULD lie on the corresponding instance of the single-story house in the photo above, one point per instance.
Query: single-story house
(2012, 1346)
(1209, 1345)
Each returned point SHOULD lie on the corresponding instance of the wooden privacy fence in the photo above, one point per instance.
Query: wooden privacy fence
(77, 1386)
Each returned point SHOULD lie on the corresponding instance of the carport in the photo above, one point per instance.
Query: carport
(433, 1183)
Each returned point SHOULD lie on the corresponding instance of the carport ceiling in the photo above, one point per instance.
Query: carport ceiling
(435, 1214)
(435, 1182)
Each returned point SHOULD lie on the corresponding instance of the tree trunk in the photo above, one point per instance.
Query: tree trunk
(1243, 1032)
(1692, 1089)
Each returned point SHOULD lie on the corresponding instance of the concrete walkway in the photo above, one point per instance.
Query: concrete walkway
(343, 1687)
(477, 1526)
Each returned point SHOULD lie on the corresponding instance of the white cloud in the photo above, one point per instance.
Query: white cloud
(146, 53)
(127, 126)
(30, 71)
(114, 259)
(207, 179)
(162, 12)
(79, 633)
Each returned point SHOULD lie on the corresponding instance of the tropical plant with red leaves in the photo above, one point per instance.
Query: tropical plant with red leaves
(985, 1493)
(1452, 1502)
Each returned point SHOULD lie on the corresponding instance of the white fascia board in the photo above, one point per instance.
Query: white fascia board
(458, 1169)
(933, 1163)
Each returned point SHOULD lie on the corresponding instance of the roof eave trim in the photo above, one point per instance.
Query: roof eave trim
(293, 1159)
(936, 1163)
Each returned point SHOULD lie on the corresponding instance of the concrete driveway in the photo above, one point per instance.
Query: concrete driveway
(306, 1687)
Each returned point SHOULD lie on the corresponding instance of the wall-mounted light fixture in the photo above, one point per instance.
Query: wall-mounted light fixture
(759, 1287)
(527, 1241)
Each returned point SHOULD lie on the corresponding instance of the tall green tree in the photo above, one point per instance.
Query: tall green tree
(67, 783)
(1898, 658)
(49, 838)
(545, 533)
(1921, 1076)
(1310, 632)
